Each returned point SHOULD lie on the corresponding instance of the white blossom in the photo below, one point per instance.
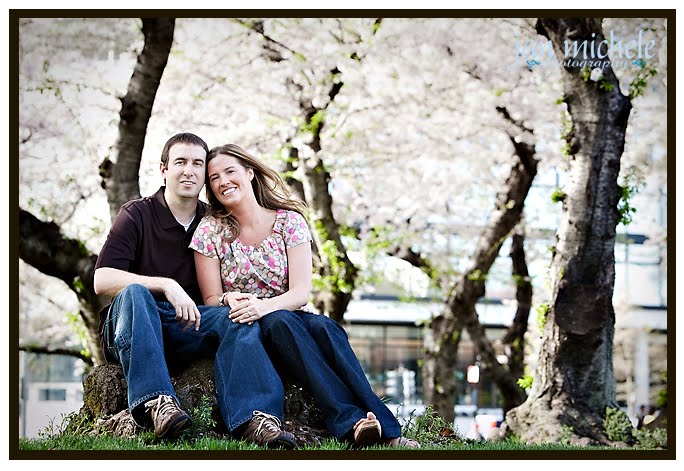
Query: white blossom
(596, 74)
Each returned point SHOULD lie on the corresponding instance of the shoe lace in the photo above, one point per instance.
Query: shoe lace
(267, 424)
(161, 406)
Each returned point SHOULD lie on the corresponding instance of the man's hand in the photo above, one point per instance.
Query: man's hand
(186, 310)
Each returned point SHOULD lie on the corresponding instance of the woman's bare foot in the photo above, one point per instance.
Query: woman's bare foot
(367, 431)
(402, 442)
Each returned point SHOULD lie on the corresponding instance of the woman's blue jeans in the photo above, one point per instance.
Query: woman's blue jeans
(142, 334)
(314, 350)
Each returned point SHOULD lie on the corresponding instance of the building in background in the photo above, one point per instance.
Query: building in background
(50, 388)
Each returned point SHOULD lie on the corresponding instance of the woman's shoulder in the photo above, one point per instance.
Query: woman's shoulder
(290, 215)
(211, 224)
(208, 220)
(288, 221)
(292, 219)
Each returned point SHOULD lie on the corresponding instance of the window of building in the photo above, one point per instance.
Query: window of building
(52, 394)
(389, 355)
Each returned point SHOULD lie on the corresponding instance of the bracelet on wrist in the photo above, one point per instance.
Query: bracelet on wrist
(221, 298)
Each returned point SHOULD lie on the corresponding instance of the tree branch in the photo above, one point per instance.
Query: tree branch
(121, 182)
(57, 351)
(43, 246)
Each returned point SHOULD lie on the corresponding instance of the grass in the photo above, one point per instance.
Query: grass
(73, 442)
(145, 448)
(437, 439)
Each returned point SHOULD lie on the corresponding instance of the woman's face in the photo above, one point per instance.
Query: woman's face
(229, 180)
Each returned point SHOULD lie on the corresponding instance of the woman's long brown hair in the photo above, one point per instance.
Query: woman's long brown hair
(270, 190)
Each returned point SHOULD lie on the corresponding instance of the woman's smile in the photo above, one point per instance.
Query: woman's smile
(228, 191)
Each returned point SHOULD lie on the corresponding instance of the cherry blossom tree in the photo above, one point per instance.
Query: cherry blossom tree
(574, 384)
(401, 134)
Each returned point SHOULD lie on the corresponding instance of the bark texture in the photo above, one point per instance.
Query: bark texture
(514, 339)
(120, 174)
(43, 246)
(105, 404)
(459, 311)
(574, 381)
(334, 268)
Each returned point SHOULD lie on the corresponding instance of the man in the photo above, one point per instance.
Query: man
(147, 267)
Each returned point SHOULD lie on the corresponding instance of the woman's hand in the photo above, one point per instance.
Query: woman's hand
(245, 308)
(233, 298)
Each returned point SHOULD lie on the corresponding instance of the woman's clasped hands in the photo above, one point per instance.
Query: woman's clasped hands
(245, 308)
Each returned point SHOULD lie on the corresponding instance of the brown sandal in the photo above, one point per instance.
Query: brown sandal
(367, 432)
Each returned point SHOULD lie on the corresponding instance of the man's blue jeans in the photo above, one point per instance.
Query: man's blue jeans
(314, 350)
(141, 333)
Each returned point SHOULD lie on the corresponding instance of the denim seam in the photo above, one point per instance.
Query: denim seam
(232, 427)
(122, 342)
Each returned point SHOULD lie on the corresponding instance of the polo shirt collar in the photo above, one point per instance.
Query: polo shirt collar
(166, 218)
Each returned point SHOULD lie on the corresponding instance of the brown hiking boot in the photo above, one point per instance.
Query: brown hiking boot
(264, 430)
(168, 418)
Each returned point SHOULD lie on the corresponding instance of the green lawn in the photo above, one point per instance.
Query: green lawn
(146, 446)
(79, 438)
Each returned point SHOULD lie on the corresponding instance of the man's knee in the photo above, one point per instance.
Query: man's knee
(134, 301)
(135, 292)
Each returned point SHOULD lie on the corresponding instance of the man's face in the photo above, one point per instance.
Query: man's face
(185, 173)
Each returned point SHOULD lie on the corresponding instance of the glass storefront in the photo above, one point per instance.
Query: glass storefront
(390, 356)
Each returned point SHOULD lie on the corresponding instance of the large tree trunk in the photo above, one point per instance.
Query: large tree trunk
(121, 174)
(335, 270)
(42, 244)
(459, 310)
(574, 381)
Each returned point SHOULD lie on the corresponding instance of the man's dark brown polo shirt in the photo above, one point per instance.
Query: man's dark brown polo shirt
(146, 239)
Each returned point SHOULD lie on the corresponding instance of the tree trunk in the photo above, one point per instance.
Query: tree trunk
(42, 245)
(121, 174)
(105, 404)
(459, 310)
(439, 360)
(334, 268)
(336, 273)
(574, 381)
(514, 340)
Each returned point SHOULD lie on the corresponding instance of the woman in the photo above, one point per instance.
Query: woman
(253, 254)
